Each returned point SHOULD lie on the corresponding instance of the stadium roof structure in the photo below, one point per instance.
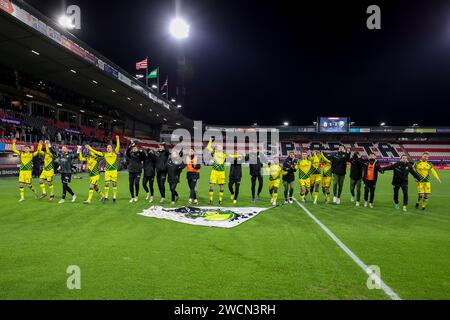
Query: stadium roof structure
(33, 43)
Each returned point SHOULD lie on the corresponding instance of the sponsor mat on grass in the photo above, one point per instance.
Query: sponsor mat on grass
(205, 216)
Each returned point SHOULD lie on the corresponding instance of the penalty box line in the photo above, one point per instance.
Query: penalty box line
(353, 256)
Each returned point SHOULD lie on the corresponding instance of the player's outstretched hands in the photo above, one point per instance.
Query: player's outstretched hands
(117, 137)
(14, 140)
(40, 142)
(87, 146)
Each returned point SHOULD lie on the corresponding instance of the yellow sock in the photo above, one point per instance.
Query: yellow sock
(44, 191)
(316, 196)
(91, 193)
(22, 192)
(275, 197)
(52, 189)
(114, 192)
(302, 198)
(220, 195)
(106, 192)
(424, 202)
(211, 195)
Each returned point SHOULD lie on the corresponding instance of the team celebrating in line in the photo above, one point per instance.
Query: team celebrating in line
(316, 170)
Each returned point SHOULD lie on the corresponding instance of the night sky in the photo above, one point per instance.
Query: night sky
(274, 61)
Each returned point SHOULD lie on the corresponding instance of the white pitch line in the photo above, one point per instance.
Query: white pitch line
(354, 257)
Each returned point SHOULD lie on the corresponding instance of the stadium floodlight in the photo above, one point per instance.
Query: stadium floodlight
(285, 123)
(82, 111)
(139, 76)
(178, 124)
(382, 124)
(173, 100)
(29, 96)
(179, 106)
(179, 29)
(66, 22)
(35, 52)
(113, 91)
(154, 86)
(73, 71)
(95, 82)
(59, 104)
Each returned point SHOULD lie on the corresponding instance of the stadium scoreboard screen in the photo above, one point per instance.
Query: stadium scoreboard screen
(333, 124)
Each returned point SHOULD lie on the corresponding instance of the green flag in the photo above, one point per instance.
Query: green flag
(153, 74)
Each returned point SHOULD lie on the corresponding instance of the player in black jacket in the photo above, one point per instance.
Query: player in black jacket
(134, 158)
(339, 170)
(400, 179)
(175, 166)
(289, 177)
(162, 156)
(235, 177)
(149, 174)
(255, 167)
(356, 174)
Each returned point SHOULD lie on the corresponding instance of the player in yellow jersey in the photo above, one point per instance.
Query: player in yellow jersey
(94, 173)
(304, 166)
(111, 174)
(275, 174)
(316, 174)
(26, 167)
(218, 170)
(327, 176)
(48, 172)
(424, 168)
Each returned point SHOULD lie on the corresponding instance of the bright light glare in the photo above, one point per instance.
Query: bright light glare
(66, 22)
(179, 29)
(286, 123)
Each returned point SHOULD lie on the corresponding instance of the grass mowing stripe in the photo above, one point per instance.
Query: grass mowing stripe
(354, 257)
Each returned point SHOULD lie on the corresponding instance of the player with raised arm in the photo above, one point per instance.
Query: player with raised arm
(402, 170)
(218, 170)
(327, 176)
(48, 172)
(26, 167)
(304, 166)
(111, 173)
(424, 168)
(316, 175)
(94, 173)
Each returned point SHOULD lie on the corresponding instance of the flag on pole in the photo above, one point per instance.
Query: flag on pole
(166, 84)
(142, 64)
(153, 74)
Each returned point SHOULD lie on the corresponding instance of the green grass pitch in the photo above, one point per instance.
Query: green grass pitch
(281, 254)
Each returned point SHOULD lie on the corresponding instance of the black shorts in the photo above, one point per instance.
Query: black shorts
(66, 177)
